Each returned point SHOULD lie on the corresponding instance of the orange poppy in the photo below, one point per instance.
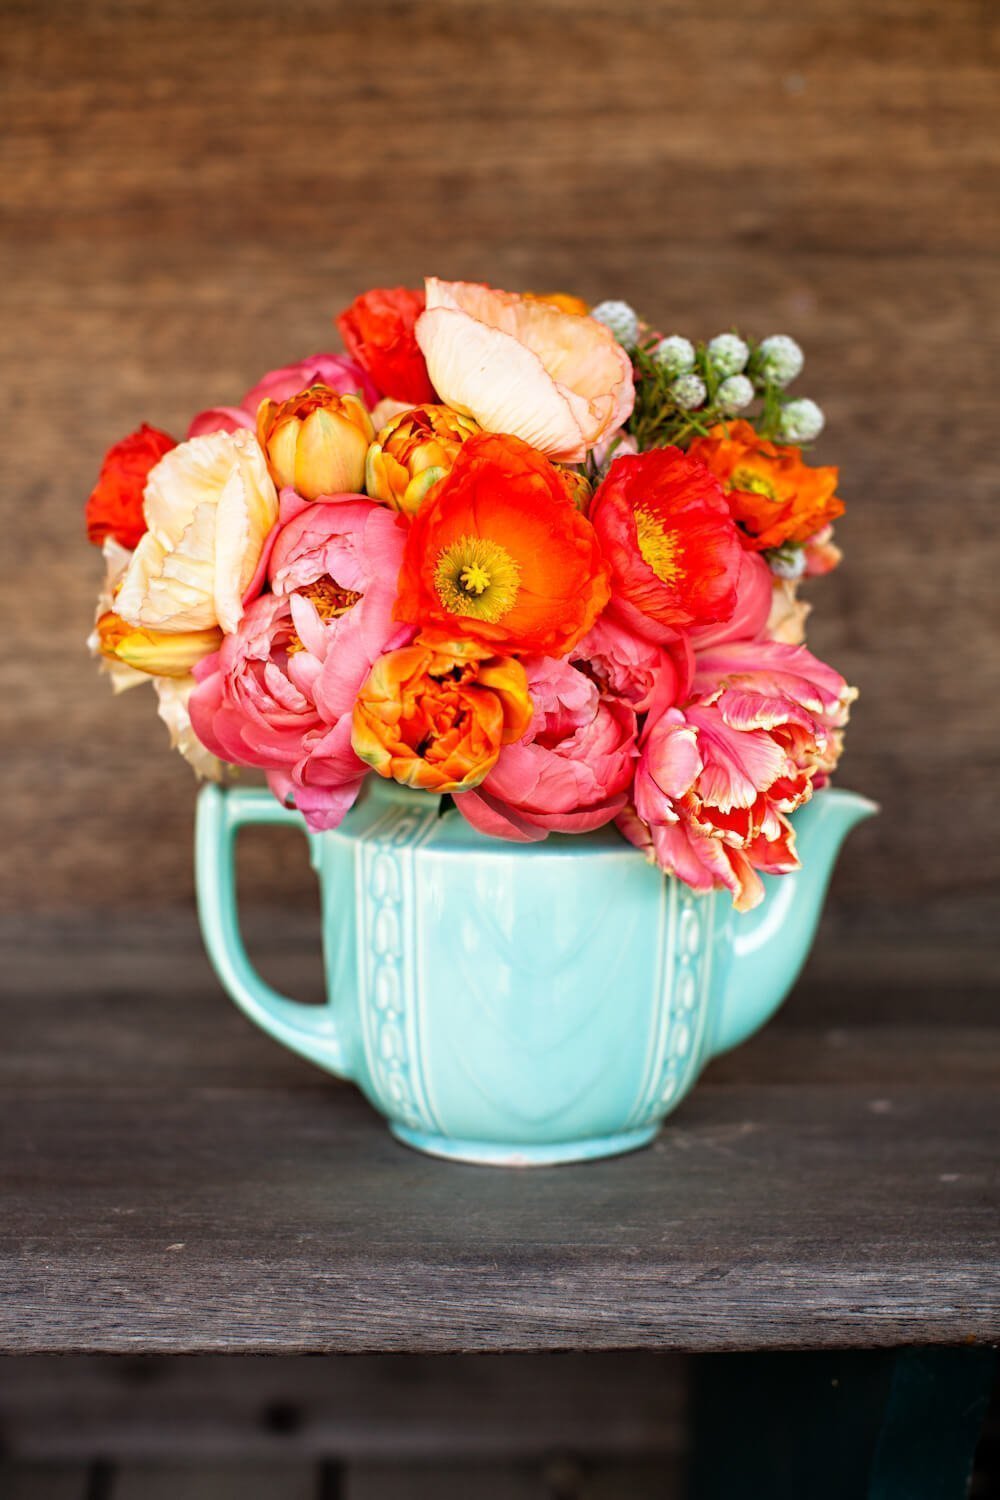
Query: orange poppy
(499, 553)
(773, 495)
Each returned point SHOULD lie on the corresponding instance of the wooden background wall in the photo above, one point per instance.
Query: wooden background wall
(192, 190)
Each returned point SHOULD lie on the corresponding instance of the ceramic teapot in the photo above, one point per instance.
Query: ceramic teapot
(516, 1004)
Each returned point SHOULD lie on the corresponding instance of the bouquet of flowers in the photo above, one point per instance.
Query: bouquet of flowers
(510, 548)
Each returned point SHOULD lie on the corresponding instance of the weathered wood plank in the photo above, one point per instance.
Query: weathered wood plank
(43, 1481)
(259, 1481)
(363, 1408)
(809, 1213)
(559, 1479)
(448, 1482)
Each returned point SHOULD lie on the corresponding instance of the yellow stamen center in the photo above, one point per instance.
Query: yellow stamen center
(658, 547)
(477, 577)
(753, 483)
(329, 601)
(474, 579)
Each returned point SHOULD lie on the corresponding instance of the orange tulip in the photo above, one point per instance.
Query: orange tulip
(412, 452)
(316, 442)
(434, 715)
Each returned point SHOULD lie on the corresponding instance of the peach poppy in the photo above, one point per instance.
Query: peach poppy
(522, 366)
(498, 553)
(772, 493)
(436, 717)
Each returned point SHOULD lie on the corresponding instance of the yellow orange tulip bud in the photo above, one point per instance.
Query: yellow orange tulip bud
(316, 442)
(157, 652)
(578, 487)
(412, 452)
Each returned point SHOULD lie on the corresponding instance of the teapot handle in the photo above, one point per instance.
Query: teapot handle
(309, 1030)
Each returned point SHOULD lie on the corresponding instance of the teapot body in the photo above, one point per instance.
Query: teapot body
(503, 1003)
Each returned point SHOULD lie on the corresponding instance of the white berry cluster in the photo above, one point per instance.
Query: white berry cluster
(620, 319)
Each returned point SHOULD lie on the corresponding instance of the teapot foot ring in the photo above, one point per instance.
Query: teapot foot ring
(507, 1154)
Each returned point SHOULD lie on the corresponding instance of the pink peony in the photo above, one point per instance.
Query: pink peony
(569, 773)
(716, 779)
(753, 605)
(801, 701)
(628, 666)
(279, 694)
(338, 371)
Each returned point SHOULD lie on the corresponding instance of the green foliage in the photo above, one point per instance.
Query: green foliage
(658, 419)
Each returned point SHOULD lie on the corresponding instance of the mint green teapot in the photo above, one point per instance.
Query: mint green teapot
(516, 1004)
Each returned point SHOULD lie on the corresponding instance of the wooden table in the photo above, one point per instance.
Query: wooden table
(174, 1183)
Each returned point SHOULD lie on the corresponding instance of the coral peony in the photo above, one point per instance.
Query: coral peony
(115, 505)
(209, 507)
(499, 553)
(344, 554)
(436, 717)
(801, 701)
(316, 441)
(378, 329)
(631, 667)
(280, 693)
(673, 549)
(336, 371)
(522, 366)
(570, 772)
(774, 496)
(754, 586)
(412, 452)
(716, 779)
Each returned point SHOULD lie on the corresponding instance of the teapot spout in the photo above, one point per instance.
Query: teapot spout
(771, 943)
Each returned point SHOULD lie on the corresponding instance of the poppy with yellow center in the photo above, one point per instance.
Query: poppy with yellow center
(772, 493)
(673, 548)
(499, 553)
(477, 577)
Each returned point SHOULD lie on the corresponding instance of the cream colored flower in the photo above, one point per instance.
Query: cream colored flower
(209, 505)
(787, 620)
(116, 561)
(522, 367)
(174, 693)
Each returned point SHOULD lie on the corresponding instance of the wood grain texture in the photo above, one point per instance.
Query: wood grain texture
(360, 1409)
(796, 1199)
(190, 191)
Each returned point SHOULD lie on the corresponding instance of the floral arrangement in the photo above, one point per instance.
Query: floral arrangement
(525, 553)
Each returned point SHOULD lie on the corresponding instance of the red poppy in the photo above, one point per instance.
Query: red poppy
(673, 548)
(378, 329)
(115, 506)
